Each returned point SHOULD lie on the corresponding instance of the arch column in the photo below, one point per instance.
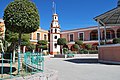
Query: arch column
(115, 33)
(101, 34)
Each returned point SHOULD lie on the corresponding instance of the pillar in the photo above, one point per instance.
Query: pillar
(105, 39)
(115, 33)
(99, 34)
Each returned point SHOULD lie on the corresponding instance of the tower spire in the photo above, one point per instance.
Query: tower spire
(54, 8)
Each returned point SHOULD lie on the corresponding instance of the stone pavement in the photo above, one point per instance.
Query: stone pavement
(83, 68)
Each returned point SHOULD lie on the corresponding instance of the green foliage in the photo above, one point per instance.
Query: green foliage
(75, 46)
(88, 46)
(25, 43)
(11, 36)
(31, 47)
(61, 41)
(42, 42)
(116, 41)
(43, 47)
(25, 40)
(85, 51)
(79, 42)
(21, 16)
(25, 37)
(65, 50)
(93, 52)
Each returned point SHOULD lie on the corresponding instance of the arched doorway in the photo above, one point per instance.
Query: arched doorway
(110, 34)
(118, 33)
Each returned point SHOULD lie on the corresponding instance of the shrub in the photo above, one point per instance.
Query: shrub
(65, 50)
(81, 51)
(61, 41)
(78, 42)
(75, 47)
(116, 40)
(93, 52)
(88, 46)
(85, 51)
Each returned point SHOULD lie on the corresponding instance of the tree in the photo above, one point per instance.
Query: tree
(79, 42)
(31, 47)
(42, 44)
(12, 39)
(61, 42)
(21, 16)
(88, 47)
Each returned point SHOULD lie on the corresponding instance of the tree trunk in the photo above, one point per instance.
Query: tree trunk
(33, 51)
(19, 43)
(14, 53)
(24, 47)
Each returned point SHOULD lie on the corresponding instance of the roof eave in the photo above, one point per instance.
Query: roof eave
(104, 14)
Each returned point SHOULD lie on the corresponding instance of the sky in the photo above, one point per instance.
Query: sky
(72, 13)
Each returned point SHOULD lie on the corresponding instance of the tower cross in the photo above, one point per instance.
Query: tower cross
(54, 8)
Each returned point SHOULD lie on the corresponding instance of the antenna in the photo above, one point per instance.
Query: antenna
(54, 8)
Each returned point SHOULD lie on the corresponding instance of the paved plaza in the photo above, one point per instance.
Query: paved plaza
(83, 68)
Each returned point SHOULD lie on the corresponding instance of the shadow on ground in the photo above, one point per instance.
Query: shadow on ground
(84, 60)
(6, 70)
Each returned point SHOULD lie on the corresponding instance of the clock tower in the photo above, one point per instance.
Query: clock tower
(54, 33)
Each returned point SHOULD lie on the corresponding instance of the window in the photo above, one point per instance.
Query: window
(38, 36)
(94, 35)
(71, 37)
(45, 37)
(55, 30)
(81, 36)
(55, 45)
(55, 17)
(55, 37)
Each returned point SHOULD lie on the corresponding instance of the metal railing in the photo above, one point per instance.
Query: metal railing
(3, 67)
(33, 63)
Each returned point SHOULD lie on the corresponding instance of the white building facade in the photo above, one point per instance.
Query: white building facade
(54, 35)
